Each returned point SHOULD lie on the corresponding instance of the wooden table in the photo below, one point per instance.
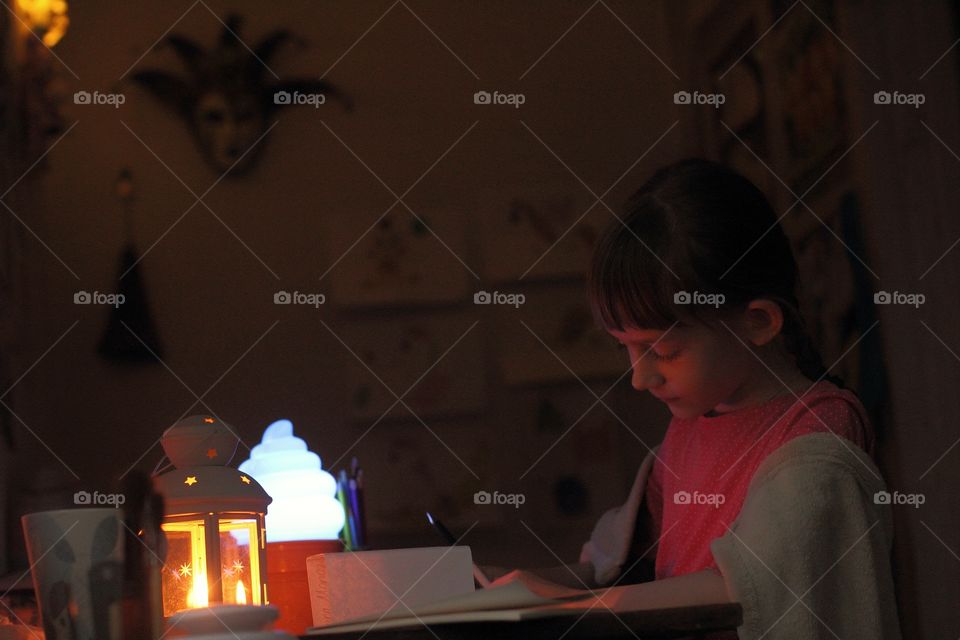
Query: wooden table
(660, 623)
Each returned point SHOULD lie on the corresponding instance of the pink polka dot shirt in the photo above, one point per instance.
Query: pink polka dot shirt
(704, 466)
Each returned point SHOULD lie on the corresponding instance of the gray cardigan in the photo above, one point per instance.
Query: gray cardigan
(808, 556)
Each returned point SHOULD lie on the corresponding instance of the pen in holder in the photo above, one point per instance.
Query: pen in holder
(350, 494)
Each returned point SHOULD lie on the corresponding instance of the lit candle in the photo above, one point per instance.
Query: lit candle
(198, 596)
(241, 593)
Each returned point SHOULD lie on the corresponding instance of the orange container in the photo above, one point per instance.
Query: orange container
(287, 587)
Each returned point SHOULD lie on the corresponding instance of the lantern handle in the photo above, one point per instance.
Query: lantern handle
(161, 468)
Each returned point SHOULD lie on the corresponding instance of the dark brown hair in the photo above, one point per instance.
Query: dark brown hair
(697, 226)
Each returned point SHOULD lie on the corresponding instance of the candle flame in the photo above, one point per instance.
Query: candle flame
(198, 596)
(241, 595)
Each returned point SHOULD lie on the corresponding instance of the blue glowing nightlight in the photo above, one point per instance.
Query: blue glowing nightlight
(304, 505)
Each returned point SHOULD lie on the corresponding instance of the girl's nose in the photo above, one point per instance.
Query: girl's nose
(644, 379)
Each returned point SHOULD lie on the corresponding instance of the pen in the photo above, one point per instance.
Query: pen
(355, 511)
(478, 574)
(361, 508)
(345, 501)
(444, 532)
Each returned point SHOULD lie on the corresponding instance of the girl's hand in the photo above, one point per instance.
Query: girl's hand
(536, 584)
(493, 573)
(547, 582)
(507, 576)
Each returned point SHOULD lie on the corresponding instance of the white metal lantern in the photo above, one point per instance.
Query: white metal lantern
(213, 520)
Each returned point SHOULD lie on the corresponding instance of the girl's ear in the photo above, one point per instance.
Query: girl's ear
(763, 321)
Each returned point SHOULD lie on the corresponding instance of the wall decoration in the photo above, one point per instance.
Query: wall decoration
(131, 335)
(528, 233)
(399, 260)
(740, 78)
(581, 473)
(571, 496)
(745, 113)
(401, 351)
(810, 75)
(568, 330)
(228, 94)
(409, 472)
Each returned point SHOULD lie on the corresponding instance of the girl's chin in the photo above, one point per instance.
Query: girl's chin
(680, 410)
(685, 411)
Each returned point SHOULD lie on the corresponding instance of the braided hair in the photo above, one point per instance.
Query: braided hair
(797, 341)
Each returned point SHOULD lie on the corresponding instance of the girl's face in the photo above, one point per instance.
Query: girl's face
(694, 369)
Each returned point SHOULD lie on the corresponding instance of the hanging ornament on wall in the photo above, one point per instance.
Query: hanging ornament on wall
(131, 336)
(229, 93)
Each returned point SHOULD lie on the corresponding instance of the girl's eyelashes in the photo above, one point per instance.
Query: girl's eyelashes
(667, 357)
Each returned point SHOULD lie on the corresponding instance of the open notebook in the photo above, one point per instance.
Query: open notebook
(509, 602)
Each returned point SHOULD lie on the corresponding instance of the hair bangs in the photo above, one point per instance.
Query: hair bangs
(629, 286)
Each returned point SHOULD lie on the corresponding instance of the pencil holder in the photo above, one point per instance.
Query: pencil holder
(287, 579)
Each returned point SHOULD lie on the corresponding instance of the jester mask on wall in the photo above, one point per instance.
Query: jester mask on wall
(229, 93)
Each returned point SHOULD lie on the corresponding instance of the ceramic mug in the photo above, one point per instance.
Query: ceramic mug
(76, 561)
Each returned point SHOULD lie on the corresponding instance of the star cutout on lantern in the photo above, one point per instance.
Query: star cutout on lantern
(209, 420)
(211, 453)
(228, 573)
(184, 570)
(244, 479)
(190, 481)
(238, 566)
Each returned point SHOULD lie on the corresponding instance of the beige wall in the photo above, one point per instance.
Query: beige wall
(589, 98)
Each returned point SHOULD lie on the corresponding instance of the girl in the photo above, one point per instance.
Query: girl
(765, 478)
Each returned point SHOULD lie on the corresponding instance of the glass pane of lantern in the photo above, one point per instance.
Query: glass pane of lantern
(184, 579)
(240, 568)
